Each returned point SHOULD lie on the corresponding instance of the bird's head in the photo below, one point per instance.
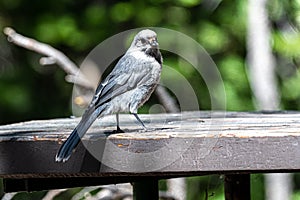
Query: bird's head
(145, 40)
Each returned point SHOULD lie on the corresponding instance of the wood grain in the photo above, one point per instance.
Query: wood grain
(186, 144)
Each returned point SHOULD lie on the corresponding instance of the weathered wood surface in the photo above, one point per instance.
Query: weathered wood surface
(191, 143)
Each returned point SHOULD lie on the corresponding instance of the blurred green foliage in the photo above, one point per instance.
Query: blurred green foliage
(76, 27)
(29, 91)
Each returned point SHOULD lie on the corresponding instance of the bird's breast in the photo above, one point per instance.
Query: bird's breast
(142, 56)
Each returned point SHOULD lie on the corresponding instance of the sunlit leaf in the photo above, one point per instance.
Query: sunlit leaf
(189, 3)
(212, 37)
(121, 12)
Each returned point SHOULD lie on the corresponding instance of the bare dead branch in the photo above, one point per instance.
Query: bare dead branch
(177, 188)
(74, 75)
(53, 193)
(166, 100)
(84, 193)
(9, 196)
(52, 56)
(47, 61)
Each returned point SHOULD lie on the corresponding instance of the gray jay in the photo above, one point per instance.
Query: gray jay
(125, 89)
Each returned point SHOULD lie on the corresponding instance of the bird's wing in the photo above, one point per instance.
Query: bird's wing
(126, 75)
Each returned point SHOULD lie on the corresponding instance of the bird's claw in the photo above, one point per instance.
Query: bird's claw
(119, 130)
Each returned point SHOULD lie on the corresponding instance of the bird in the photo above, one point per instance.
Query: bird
(126, 88)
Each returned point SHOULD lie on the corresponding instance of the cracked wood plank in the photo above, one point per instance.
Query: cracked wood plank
(186, 144)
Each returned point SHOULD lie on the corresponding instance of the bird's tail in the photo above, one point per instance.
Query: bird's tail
(73, 140)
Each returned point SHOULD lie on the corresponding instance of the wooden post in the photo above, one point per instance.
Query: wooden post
(237, 187)
(145, 190)
(1, 188)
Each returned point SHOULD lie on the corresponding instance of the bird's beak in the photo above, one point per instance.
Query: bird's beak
(153, 43)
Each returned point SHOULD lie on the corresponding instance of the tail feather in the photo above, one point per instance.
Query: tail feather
(73, 140)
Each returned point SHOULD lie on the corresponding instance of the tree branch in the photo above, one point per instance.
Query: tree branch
(166, 100)
(53, 193)
(74, 75)
(52, 56)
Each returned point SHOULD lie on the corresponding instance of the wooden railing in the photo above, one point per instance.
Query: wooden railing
(235, 144)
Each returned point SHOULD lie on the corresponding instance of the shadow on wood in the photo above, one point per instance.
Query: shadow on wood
(186, 144)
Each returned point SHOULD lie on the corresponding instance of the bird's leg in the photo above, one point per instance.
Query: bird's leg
(139, 120)
(118, 127)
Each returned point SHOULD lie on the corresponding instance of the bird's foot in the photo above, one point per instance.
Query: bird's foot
(118, 130)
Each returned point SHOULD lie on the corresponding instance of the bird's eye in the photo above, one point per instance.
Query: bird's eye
(143, 41)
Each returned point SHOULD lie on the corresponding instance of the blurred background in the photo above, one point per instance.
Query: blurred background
(242, 37)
